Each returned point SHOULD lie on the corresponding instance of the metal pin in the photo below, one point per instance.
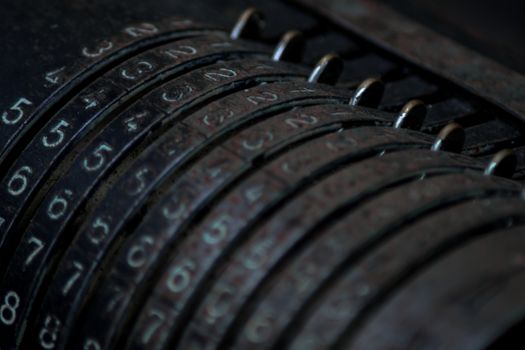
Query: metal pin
(327, 70)
(249, 25)
(450, 139)
(411, 116)
(290, 47)
(503, 164)
(369, 93)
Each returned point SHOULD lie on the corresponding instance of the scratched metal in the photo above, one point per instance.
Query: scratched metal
(131, 190)
(489, 289)
(289, 168)
(215, 166)
(362, 270)
(137, 76)
(288, 300)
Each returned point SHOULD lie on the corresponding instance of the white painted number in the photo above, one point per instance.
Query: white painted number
(259, 143)
(115, 300)
(180, 276)
(39, 245)
(175, 213)
(258, 255)
(54, 141)
(92, 99)
(140, 177)
(221, 45)
(59, 204)
(303, 119)
(181, 51)
(217, 120)
(99, 51)
(100, 230)
(141, 68)
(18, 183)
(221, 74)
(158, 318)
(176, 94)
(79, 268)
(217, 306)
(8, 308)
(91, 344)
(97, 159)
(17, 112)
(142, 29)
(138, 253)
(218, 230)
(132, 122)
(259, 328)
(302, 90)
(263, 97)
(253, 194)
(54, 77)
(49, 333)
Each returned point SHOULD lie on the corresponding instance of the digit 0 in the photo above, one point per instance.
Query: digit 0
(143, 29)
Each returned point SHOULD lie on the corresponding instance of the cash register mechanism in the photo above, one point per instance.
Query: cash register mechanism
(338, 174)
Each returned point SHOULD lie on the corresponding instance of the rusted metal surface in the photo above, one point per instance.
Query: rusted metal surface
(442, 56)
(372, 277)
(463, 288)
(286, 303)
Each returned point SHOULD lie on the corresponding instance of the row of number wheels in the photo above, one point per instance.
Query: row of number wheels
(201, 195)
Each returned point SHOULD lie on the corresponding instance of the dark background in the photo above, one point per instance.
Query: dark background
(495, 28)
